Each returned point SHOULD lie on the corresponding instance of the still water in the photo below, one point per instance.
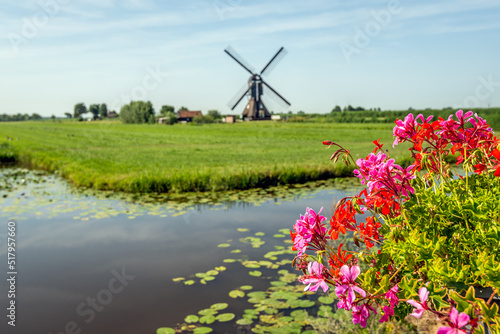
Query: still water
(99, 264)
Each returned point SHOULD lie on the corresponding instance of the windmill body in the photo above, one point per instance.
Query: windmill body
(255, 108)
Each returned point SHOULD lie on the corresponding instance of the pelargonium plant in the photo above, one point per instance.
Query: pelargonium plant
(428, 234)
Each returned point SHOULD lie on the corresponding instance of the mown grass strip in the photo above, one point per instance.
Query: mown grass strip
(109, 155)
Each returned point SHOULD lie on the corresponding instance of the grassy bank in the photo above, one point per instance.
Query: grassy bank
(180, 158)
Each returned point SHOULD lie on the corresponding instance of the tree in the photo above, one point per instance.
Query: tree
(36, 116)
(68, 115)
(53, 117)
(183, 108)
(103, 110)
(336, 109)
(138, 112)
(171, 118)
(214, 114)
(80, 109)
(94, 109)
(165, 110)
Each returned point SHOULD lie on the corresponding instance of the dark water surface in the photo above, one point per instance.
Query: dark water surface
(99, 265)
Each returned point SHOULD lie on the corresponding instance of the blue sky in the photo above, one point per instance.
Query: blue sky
(387, 54)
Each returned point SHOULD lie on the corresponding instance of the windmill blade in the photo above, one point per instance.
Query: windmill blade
(237, 99)
(233, 54)
(274, 61)
(275, 94)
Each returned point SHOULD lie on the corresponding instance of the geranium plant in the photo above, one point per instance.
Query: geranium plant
(429, 234)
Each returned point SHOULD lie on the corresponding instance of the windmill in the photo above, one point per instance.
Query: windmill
(255, 108)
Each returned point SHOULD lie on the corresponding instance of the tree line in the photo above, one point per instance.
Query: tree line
(19, 117)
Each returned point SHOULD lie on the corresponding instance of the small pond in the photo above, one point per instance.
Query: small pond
(100, 263)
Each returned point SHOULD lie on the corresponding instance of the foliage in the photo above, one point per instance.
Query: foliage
(171, 118)
(166, 109)
(19, 117)
(183, 108)
(94, 110)
(436, 233)
(68, 115)
(8, 154)
(138, 112)
(79, 110)
(103, 110)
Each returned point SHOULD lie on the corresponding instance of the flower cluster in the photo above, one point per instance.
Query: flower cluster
(385, 233)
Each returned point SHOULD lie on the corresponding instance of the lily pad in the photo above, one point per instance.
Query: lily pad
(219, 306)
(212, 272)
(207, 311)
(255, 273)
(191, 319)
(236, 294)
(202, 330)
(229, 260)
(223, 245)
(244, 322)
(325, 300)
(190, 282)
(225, 317)
(260, 234)
(177, 279)
(241, 229)
(207, 319)
(165, 330)
(246, 287)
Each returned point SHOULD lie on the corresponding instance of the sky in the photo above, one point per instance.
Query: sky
(391, 55)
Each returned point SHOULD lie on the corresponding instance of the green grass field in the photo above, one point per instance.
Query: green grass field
(180, 158)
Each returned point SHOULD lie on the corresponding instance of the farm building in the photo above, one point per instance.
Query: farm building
(229, 119)
(187, 116)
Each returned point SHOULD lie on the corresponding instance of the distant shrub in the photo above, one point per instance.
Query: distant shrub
(138, 112)
(8, 154)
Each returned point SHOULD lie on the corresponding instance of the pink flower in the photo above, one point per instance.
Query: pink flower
(315, 277)
(392, 296)
(309, 231)
(347, 290)
(388, 312)
(420, 307)
(361, 313)
(456, 321)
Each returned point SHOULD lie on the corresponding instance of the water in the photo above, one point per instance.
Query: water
(91, 264)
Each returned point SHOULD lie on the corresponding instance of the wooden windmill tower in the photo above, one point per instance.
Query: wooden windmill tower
(254, 89)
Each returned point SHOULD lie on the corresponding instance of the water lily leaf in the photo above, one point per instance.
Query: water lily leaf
(207, 319)
(200, 275)
(207, 311)
(251, 264)
(260, 234)
(190, 282)
(246, 287)
(219, 306)
(202, 330)
(284, 231)
(255, 273)
(242, 229)
(212, 272)
(236, 294)
(325, 300)
(229, 260)
(221, 268)
(266, 263)
(190, 319)
(279, 235)
(236, 251)
(306, 303)
(225, 317)
(224, 245)
(178, 279)
(244, 322)
(209, 278)
(165, 330)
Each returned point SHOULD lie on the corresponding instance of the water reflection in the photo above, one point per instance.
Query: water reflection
(65, 265)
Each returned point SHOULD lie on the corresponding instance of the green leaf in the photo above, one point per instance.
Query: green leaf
(325, 300)
(224, 245)
(190, 319)
(225, 317)
(246, 287)
(165, 330)
(236, 294)
(207, 319)
(255, 273)
(212, 272)
(190, 282)
(202, 330)
(244, 322)
(219, 306)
